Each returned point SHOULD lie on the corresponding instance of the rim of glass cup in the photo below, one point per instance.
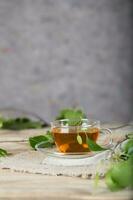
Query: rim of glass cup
(85, 123)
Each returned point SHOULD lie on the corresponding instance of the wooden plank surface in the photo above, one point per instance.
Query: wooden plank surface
(15, 185)
(11, 136)
(36, 186)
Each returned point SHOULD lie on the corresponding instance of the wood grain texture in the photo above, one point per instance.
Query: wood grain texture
(11, 136)
(36, 186)
(15, 185)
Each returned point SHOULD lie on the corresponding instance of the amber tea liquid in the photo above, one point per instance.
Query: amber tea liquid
(67, 142)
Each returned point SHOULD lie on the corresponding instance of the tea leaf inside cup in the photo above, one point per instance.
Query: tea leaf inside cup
(93, 146)
(79, 139)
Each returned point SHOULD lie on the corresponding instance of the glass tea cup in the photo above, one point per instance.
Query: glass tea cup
(65, 134)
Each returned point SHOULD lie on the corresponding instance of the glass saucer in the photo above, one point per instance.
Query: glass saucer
(104, 140)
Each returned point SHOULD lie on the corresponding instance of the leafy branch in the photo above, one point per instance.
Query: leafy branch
(120, 175)
(20, 124)
(74, 116)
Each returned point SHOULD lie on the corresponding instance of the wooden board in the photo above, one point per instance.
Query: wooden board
(15, 185)
(36, 186)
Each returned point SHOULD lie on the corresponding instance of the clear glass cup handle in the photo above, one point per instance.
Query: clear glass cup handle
(109, 132)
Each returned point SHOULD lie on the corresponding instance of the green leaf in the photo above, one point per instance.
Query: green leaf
(3, 153)
(120, 175)
(79, 139)
(130, 151)
(62, 114)
(48, 139)
(49, 136)
(19, 124)
(94, 146)
(127, 145)
(73, 115)
(129, 135)
(112, 185)
(123, 156)
(1, 122)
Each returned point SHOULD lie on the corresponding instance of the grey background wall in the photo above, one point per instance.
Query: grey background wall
(63, 53)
